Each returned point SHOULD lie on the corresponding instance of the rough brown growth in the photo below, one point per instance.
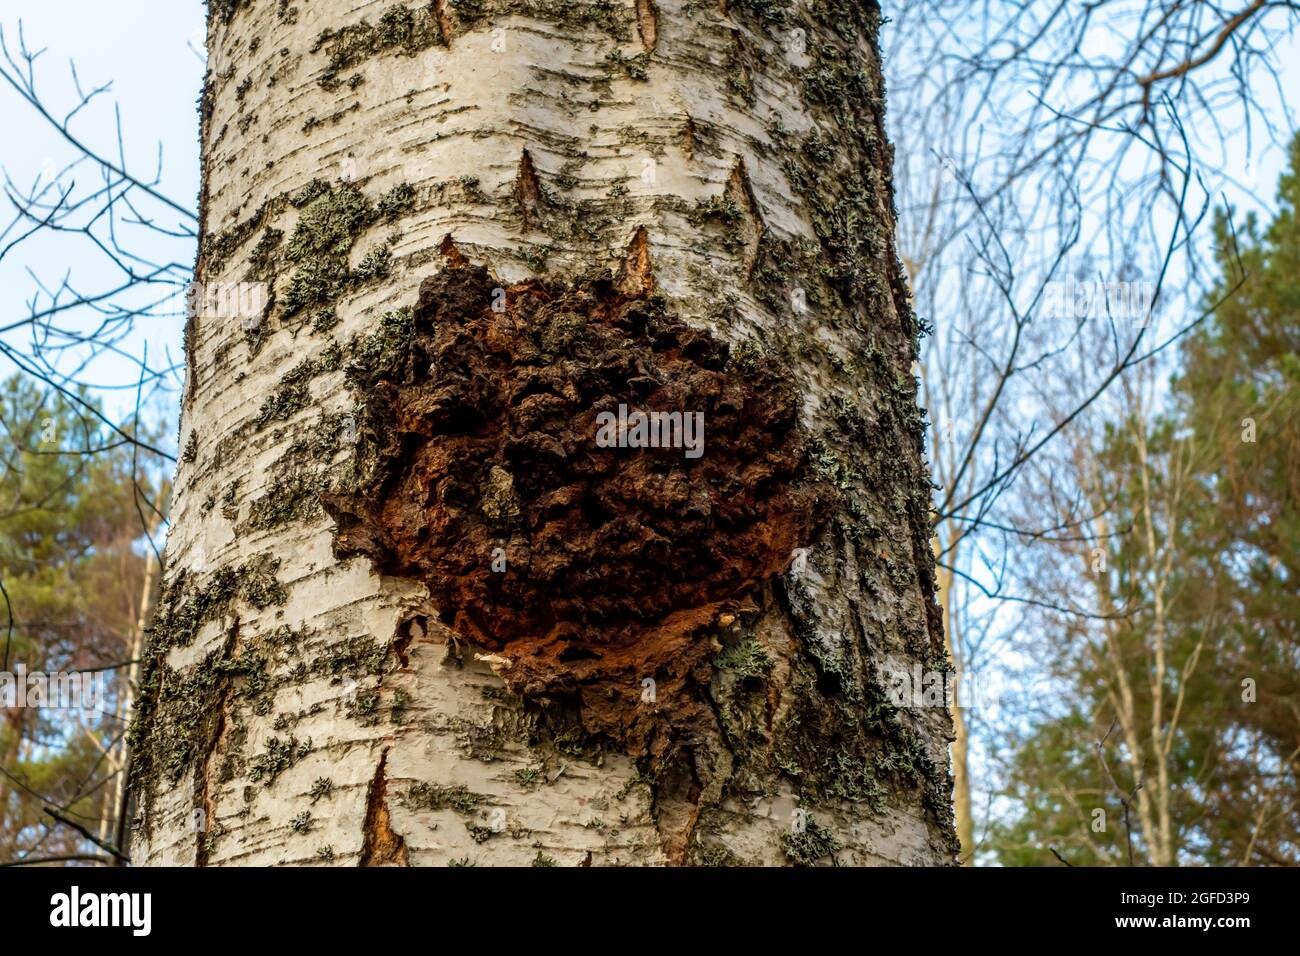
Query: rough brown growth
(588, 568)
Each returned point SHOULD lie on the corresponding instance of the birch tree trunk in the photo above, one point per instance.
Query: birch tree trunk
(414, 612)
(959, 753)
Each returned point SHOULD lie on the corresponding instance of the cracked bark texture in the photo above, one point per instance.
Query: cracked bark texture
(304, 703)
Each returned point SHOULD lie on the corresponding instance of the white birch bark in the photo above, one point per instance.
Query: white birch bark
(537, 134)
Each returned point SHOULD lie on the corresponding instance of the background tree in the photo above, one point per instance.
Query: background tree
(1041, 143)
(1179, 697)
(88, 496)
(74, 565)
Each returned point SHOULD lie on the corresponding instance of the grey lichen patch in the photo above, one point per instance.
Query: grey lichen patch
(740, 69)
(183, 706)
(607, 16)
(809, 843)
(713, 855)
(746, 659)
(433, 796)
(183, 609)
(277, 756)
(846, 740)
(480, 741)
(262, 259)
(331, 222)
(306, 470)
(529, 778)
(294, 499)
(289, 397)
(230, 501)
(837, 81)
(315, 281)
(180, 714)
(322, 789)
(399, 30)
(374, 265)
(721, 209)
(769, 14)
(373, 354)
(836, 168)
(635, 67)
(324, 320)
(218, 247)
(292, 394)
(353, 657)
(463, 189)
(734, 215)
(792, 276)
(396, 203)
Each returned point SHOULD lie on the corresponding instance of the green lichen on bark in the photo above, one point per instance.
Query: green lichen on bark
(434, 796)
(183, 609)
(331, 221)
(291, 394)
(277, 756)
(809, 844)
(306, 470)
(746, 659)
(399, 30)
(218, 247)
(179, 712)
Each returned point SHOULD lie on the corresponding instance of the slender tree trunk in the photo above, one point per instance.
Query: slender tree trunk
(113, 826)
(965, 820)
(8, 830)
(417, 610)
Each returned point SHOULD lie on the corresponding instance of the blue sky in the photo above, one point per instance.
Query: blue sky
(151, 53)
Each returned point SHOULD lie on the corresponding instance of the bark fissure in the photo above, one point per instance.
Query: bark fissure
(380, 845)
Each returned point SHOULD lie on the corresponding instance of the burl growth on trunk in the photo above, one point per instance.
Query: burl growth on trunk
(590, 566)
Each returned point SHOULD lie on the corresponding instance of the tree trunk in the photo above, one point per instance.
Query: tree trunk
(960, 750)
(13, 741)
(112, 828)
(429, 597)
